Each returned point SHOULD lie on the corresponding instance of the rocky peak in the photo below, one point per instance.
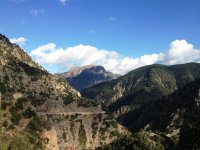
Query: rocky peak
(85, 76)
(74, 71)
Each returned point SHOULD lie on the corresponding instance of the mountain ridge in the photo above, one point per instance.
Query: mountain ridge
(142, 85)
(86, 76)
(159, 104)
(44, 111)
(172, 115)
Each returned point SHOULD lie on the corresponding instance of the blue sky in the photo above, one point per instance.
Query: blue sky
(131, 28)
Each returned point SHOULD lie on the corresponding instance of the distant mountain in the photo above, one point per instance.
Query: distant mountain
(142, 85)
(86, 76)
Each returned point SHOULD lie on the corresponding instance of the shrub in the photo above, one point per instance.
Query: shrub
(38, 124)
(3, 87)
(29, 112)
(82, 136)
(16, 118)
(68, 99)
(64, 135)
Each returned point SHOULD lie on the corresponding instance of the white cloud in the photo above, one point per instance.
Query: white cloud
(179, 52)
(63, 2)
(37, 11)
(21, 41)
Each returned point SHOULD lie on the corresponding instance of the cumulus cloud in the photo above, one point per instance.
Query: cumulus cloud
(20, 41)
(179, 51)
(63, 2)
(36, 12)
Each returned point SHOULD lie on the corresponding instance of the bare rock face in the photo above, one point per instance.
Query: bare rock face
(44, 111)
(74, 71)
(85, 76)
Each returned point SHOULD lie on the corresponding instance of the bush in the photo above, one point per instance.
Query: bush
(3, 87)
(4, 105)
(38, 124)
(190, 135)
(68, 99)
(82, 136)
(29, 112)
(16, 118)
(64, 135)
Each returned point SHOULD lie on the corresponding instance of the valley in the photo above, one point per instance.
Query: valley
(152, 107)
(99, 75)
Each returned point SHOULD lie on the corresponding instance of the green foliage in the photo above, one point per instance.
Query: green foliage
(20, 143)
(16, 110)
(82, 136)
(138, 141)
(5, 104)
(87, 103)
(29, 112)
(142, 85)
(100, 117)
(103, 130)
(19, 106)
(16, 118)
(35, 127)
(3, 88)
(61, 80)
(38, 124)
(72, 129)
(190, 135)
(94, 129)
(64, 135)
(74, 117)
(158, 114)
(113, 123)
(68, 99)
(3, 146)
(114, 133)
(31, 71)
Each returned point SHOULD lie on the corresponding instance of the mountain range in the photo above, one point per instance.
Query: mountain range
(86, 76)
(142, 85)
(152, 107)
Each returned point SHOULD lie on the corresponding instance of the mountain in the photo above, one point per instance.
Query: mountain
(176, 115)
(142, 85)
(85, 76)
(42, 111)
(159, 105)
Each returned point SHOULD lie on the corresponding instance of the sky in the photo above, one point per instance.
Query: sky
(120, 35)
